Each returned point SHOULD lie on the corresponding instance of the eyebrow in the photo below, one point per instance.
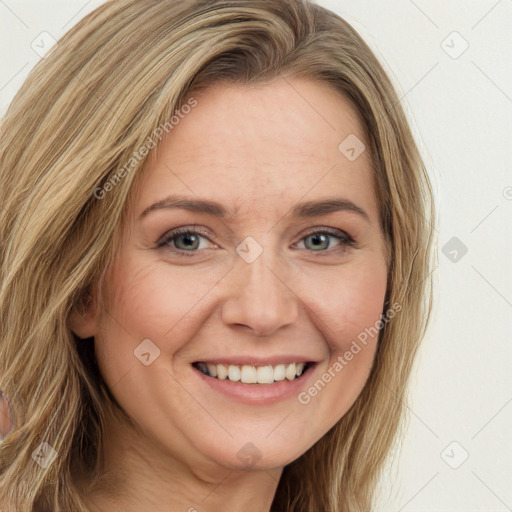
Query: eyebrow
(304, 209)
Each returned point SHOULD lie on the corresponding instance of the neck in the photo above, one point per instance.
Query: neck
(138, 475)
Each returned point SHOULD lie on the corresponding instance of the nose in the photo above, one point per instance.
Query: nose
(259, 297)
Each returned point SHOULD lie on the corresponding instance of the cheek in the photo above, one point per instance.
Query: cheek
(361, 302)
(346, 300)
(145, 300)
(348, 313)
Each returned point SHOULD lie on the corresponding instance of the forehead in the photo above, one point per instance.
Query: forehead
(252, 146)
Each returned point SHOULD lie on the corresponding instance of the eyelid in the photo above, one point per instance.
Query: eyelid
(340, 233)
(183, 230)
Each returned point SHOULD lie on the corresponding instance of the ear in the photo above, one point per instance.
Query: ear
(83, 318)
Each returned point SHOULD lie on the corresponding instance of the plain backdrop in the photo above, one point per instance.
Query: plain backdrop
(451, 62)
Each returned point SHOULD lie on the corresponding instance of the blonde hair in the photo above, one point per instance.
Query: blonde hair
(79, 117)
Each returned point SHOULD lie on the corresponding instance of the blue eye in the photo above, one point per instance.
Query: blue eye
(320, 240)
(187, 241)
(190, 241)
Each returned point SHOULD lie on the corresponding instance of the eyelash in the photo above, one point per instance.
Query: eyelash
(345, 239)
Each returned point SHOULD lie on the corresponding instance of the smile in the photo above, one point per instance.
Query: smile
(253, 374)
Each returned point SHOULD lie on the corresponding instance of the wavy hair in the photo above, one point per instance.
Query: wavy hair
(84, 109)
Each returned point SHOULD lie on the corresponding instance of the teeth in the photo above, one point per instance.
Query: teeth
(212, 370)
(222, 372)
(234, 373)
(290, 371)
(249, 374)
(265, 375)
(279, 372)
(203, 368)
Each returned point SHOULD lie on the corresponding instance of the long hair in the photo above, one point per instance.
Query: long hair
(80, 116)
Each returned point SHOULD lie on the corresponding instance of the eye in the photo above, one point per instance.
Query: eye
(319, 241)
(183, 241)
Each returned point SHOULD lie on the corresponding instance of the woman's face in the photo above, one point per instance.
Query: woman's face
(282, 263)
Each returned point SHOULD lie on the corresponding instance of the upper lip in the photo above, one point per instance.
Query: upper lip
(257, 361)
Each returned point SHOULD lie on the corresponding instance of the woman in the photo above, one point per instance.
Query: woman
(215, 260)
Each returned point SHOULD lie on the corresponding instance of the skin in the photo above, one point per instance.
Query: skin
(260, 150)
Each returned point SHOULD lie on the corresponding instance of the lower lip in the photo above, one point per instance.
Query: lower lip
(258, 394)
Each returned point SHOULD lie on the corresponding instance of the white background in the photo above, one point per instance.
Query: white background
(461, 111)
